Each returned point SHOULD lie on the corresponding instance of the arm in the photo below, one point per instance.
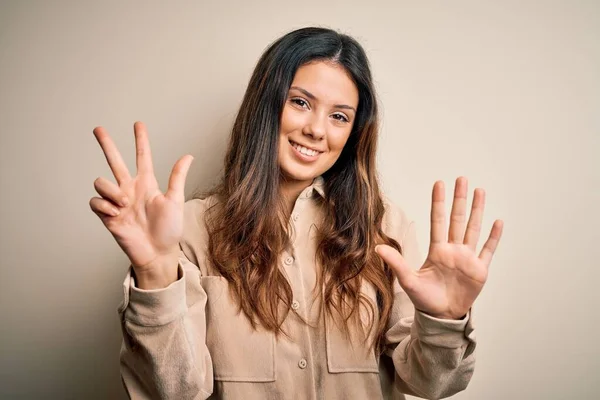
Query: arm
(434, 356)
(164, 353)
(431, 358)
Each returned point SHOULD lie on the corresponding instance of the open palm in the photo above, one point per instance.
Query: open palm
(146, 223)
(453, 275)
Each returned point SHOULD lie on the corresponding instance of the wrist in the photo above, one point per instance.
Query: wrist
(158, 274)
(445, 316)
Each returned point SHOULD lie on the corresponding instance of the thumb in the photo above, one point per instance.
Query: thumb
(406, 275)
(178, 176)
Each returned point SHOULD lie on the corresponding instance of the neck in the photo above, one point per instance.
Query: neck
(290, 190)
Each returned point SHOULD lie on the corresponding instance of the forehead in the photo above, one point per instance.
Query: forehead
(328, 82)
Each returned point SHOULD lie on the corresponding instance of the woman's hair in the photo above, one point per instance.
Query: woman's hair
(248, 227)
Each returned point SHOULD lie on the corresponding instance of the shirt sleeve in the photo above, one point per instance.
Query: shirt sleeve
(164, 353)
(427, 357)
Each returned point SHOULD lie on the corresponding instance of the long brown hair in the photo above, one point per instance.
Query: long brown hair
(246, 236)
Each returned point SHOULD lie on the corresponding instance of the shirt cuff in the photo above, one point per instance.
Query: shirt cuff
(446, 333)
(154, 307)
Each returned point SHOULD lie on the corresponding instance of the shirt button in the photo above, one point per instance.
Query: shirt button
(302, 363)
(296, 216)
(289, 260)
(308, 193)
(295, 305)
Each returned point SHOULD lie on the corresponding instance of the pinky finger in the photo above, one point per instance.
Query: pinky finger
(103, 208)
(487, 252)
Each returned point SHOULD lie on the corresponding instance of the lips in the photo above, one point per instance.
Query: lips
(304, 154)
(304, 150)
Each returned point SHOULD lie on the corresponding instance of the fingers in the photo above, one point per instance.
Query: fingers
(438, 214)
(113, 156)
(110, 191)
(492, 243)
(406, 275)
(474, 226)
(456, 231)
(143, 157)
(178, 176)
(103, 208)
(458, 213)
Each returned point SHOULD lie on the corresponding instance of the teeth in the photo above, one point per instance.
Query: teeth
(304, 150)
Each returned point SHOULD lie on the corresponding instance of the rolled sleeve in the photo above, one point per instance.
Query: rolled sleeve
(445, 333)
(155, 307)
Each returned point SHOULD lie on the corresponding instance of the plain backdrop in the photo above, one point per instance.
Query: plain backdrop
(506, 93)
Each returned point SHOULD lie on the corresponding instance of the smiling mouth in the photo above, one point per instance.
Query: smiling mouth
(305, 150)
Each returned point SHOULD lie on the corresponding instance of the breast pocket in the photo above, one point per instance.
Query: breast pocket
(350, 353)
(239, 353)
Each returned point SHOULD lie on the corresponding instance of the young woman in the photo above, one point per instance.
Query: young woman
(294, 278)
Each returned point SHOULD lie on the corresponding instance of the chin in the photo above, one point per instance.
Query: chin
(299, 176)
(298, 173)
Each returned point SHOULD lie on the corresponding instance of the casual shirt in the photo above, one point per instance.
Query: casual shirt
(190, 341)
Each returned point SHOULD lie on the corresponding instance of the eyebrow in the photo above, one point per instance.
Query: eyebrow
(312, 97)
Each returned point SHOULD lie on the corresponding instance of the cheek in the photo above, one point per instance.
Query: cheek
(290, 121)
(338, 140)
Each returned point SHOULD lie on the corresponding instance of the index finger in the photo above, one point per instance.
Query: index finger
(112, 154)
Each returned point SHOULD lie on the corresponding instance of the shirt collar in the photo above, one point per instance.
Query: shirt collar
(318, 186)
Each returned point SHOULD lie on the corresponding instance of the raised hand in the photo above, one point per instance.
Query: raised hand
(453, 275)
(146, 223)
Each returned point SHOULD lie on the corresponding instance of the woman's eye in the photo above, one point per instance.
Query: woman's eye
(300, 102)
(340, 117)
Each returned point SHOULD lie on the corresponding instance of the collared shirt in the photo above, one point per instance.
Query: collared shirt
(189, 340)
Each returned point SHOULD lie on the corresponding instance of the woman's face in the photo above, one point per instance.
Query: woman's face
(316, 121)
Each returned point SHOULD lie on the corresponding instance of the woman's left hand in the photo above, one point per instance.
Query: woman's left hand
(453, 274)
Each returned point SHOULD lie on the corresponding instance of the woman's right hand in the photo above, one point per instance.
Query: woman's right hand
(146, 223)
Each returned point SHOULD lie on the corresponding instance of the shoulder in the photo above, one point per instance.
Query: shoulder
(194, 241)
(195, 209)
(395, 220)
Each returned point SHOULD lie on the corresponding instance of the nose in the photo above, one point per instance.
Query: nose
(316, 127)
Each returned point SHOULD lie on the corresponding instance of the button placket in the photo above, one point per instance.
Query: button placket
(294, 267)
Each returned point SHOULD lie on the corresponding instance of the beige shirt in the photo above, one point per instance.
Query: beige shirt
(188, 341)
